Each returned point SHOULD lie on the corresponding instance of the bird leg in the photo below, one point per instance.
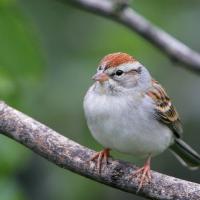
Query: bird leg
(143, 173)
(101, 156)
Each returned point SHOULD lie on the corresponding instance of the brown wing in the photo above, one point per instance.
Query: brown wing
(165, 112)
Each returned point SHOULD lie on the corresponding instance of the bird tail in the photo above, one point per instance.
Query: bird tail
(185, 154)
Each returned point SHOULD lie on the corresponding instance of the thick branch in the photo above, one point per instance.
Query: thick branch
(70, 155)
(123, 14)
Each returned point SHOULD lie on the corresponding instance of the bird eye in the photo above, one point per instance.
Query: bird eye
(119, 72)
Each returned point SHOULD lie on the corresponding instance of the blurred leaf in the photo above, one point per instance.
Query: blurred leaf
(21, 63)
(9, 190)
(7, 86)
(13, 156)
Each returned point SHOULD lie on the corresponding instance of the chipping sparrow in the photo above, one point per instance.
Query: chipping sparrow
(128, 111)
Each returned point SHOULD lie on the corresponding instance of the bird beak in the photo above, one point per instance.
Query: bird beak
(100, 76)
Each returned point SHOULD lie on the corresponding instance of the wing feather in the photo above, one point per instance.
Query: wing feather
(165, 112)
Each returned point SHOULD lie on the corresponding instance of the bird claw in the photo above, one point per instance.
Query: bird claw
(102, 157)
(143, 175)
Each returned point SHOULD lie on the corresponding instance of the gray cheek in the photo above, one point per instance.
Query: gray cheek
(129, 81)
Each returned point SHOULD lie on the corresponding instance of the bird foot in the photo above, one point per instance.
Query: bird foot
(102, 157)
(143, 174)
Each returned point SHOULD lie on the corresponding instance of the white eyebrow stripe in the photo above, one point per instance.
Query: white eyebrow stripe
(129, 66)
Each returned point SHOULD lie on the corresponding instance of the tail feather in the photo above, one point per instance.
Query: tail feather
(185, 154)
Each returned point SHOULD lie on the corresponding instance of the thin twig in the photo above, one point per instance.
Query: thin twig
(70, 155)
(124, 14)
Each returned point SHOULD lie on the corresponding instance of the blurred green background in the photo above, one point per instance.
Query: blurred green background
(48, 52)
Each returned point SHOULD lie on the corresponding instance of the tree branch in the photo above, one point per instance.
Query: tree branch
(70, 155)
(122, 13)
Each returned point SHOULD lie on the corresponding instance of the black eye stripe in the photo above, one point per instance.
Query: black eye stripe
(120, 72)
(138, 70)
(100, 67)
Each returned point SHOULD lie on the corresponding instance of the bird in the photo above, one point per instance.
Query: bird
(130, 112)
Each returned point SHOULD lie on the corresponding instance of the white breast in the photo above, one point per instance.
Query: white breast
(126, 124)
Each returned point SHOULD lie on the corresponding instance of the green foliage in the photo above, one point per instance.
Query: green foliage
(21, 65)
(10, 190)
(20, 56)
